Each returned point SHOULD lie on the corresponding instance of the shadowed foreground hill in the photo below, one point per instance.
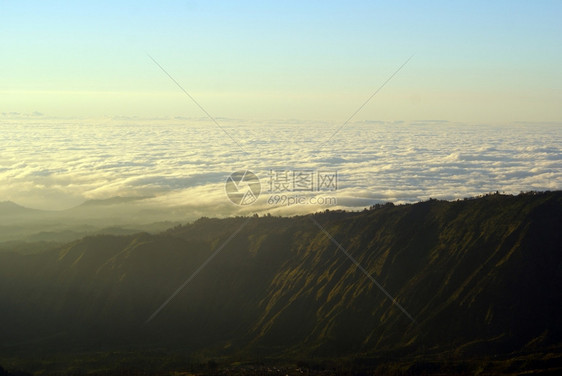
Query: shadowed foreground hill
(481, 277)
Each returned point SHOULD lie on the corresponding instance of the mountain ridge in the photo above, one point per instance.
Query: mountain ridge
(11, 208)
(480, 276)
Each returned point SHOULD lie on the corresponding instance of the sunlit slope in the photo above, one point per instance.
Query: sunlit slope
(479, 276)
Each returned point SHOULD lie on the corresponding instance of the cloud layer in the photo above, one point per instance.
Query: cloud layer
(56, 164)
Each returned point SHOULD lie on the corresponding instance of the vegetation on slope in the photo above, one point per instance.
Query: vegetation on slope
(482, 278)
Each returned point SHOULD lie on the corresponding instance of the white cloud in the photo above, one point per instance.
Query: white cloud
(49, 163)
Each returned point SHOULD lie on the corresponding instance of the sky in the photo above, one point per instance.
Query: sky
(476, 61)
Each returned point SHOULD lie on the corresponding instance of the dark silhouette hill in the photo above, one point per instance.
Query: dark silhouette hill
(481, 277)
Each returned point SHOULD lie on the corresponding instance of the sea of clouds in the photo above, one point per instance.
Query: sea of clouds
(60, 163)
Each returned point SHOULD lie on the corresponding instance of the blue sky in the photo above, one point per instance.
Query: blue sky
(474, 61)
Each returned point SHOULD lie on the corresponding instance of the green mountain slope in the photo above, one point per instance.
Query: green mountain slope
(480, 277)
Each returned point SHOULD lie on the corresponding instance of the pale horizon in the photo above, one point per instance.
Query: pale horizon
(260, 61)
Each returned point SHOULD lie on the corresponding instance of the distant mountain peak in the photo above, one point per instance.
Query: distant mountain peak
(11, 207)
(8, 204)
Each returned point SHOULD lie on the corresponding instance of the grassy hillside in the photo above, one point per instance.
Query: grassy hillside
(482, 279)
